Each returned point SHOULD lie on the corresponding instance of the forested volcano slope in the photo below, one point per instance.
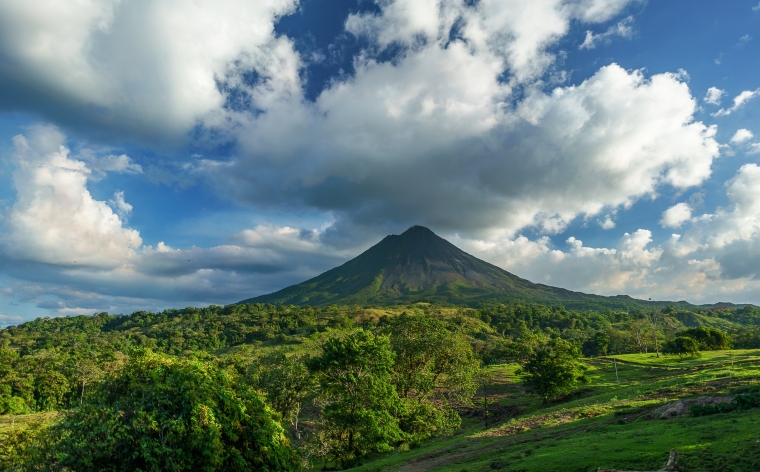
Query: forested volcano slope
(418, 265)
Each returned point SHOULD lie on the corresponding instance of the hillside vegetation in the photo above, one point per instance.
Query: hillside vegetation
(420, 386)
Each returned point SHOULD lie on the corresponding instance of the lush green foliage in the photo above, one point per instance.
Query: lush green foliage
(708, 339)
(287, 384)
(430, 376)
(682, 346)
(161, 413)
(434, 371)
(363, 408)
(553, 369)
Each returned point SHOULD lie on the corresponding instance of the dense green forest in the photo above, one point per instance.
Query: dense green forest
(329, 384)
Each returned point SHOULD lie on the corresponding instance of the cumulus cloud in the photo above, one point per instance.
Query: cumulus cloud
(607, 223)
(123, 209)
(741, 135)
(676, 215)
(55, 220)
(623, 29)
(145, 68)
(714, 95)
(715, 259)
(431, 140)
(739, 101)
(70, 252)
(100, 165)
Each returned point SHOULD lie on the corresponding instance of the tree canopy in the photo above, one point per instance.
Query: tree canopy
(161, 413)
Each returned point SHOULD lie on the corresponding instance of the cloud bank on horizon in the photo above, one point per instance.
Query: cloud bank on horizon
(272, 144)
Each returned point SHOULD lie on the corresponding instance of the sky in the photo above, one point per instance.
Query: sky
(163, 153)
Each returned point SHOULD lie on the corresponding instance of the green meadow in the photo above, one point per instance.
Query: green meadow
(606, 423)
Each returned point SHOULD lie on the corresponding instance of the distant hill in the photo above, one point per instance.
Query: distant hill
(419, 265)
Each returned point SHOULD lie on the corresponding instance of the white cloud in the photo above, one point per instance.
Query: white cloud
(713, 96)
(70, 253)
(676, 215)
(739, 101)
(142, 67)
(511, 31)
(754, 148)
(741, 136)
(55, 220)
(623, 29)
(430, 138)
(607, 223)
(101, 164)
(756, 7)
(9, 320)
(746, 38)
(123, 209)
(716, 259)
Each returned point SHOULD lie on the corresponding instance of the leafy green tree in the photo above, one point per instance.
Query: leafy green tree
(553, 369)
(362, 406)
(435, 369)
(682, 346)
(161, 413)
(708, 339)
(596, 345)
(50, 387)
(287, 384)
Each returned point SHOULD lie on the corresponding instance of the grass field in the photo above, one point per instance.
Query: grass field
(605, 424)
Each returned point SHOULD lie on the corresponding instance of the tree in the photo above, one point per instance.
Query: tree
(435, 369)
(708, 339)
(638, 329)
(163, 413)
(653, 319)
(682, 346)
(553, 369)
(50, 387)
(362, 406)
(287, 384)
(596, 345)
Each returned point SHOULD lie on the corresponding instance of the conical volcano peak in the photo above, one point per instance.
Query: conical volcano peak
(417, 230)
(415, 265)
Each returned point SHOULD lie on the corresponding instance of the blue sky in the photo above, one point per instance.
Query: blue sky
(156, 155)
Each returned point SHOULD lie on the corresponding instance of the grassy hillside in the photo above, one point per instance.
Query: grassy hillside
(606, 424)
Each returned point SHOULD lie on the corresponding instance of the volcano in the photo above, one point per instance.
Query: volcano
(420, 266)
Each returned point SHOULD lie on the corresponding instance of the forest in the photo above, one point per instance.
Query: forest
(272, 387)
